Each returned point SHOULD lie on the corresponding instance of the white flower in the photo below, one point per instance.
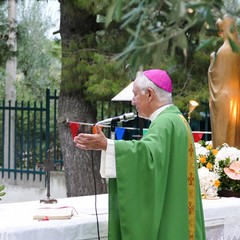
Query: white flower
(207, 182)
(226, 152)
(208, 143)
(200, 150)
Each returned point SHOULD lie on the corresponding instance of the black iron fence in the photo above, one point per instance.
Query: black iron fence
(28, 131)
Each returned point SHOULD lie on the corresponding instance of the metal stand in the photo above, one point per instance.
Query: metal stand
(49, 166)
(113, 127)
(139, 136)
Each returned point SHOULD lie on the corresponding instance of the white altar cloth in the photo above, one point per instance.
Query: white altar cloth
(222, 220)
(16, 220)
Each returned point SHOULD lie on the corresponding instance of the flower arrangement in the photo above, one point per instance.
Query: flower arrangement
(209, 183)
(218, 168)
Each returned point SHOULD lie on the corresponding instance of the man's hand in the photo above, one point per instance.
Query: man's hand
(96, 141)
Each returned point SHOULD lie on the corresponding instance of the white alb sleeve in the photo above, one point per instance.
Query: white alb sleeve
(108, 161)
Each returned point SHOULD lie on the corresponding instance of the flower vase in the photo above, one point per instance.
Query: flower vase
(228, 193)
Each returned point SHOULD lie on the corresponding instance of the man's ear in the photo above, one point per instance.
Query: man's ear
(151, 94)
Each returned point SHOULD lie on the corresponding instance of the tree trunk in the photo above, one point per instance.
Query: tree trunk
(75, 26)
(10, 90)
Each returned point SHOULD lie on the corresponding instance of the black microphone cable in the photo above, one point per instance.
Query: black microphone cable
(95, 193)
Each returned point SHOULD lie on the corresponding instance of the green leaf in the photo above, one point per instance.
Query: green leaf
(2, 194)
(119, 10)
(2, 187)
(234, 45)
(110, 14)
(195, 5)
(205, 43)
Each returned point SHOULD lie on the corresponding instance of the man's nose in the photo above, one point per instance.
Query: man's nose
(133, 102)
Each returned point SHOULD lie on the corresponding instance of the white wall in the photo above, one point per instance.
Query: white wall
(29, 190)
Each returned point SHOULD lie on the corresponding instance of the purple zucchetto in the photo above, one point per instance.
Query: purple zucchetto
(160, 78)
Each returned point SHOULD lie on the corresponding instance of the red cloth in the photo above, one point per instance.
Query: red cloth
(197, 136)
(74, 128)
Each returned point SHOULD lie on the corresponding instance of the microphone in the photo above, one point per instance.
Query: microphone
(125, 117)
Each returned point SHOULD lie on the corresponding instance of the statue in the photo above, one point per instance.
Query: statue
(224, 87)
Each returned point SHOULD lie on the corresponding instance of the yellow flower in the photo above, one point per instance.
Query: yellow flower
(203, 159)
(209, 147)
(209, 166)
(217, 183)
(214, 152)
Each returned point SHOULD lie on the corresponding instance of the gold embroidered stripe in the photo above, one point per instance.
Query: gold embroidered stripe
(191, 184)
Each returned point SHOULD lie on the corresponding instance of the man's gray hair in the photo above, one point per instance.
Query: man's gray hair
(144, 83)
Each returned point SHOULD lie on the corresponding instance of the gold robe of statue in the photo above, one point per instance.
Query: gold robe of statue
(224, 87)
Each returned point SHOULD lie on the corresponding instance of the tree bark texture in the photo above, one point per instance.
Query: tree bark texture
(76, 24)
(10, 88)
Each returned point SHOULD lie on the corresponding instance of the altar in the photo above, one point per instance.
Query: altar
(222, 219)
(16, 220)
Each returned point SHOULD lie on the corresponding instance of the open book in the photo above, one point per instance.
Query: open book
(54, 213)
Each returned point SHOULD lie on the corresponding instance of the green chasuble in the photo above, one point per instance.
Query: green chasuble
(156, 194)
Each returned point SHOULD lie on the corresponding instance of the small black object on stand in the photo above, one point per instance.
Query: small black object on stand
(49, 166)
(113, 127)
(140, 123)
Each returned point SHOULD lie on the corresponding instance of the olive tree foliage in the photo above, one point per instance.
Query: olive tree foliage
(4, 49)
(155, 26)
(160, 26)
(177, 35)
(3, 34)
(38, 56)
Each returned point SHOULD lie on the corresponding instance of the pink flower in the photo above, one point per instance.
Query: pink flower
(233, 171)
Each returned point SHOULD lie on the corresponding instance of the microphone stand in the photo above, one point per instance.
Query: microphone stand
(113, 128)
(140, 125)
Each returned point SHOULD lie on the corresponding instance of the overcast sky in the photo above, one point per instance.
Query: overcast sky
(52, 9)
